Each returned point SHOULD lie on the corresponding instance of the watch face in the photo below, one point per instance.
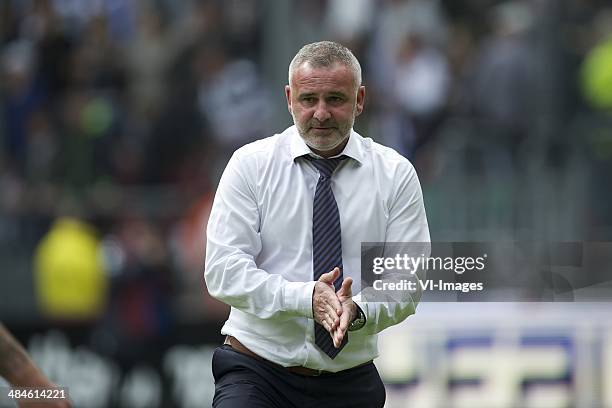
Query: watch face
(357, 323)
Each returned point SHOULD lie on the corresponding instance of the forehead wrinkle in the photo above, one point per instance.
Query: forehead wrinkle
(325, 93)
(339, 72)
(318, 86)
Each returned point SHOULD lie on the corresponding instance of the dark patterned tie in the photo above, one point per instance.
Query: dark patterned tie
(326, 241)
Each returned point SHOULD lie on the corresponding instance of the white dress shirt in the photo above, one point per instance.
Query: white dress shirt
(259, 248)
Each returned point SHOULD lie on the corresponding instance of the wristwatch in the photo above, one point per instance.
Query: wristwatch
(359, 321)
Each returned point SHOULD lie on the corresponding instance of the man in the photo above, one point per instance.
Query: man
(284, 239)
(19, 370)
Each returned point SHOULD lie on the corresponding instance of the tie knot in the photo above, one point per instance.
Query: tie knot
(326, 167)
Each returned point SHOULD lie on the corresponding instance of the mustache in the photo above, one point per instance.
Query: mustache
(329, 124)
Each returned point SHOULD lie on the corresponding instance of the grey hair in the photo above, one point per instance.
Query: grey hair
(325, 54)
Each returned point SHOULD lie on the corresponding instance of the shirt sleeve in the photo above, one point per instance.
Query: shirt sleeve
(233, 244)
(407, 223)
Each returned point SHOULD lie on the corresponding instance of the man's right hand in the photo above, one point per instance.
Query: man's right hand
(326, 308)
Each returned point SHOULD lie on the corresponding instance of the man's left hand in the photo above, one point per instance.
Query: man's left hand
(349, 311)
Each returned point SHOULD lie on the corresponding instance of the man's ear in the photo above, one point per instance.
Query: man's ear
(288, 96)
(360, 100)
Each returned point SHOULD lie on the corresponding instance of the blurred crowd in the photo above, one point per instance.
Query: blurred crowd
(117, 117)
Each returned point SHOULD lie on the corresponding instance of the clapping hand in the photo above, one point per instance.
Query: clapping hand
(333, 310)
(326, 308)
(349, 310)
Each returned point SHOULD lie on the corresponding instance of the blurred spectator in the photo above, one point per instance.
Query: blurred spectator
(422, 80)
(242, 26)
(229, 96)
(42, 154)
(139, 314)
(396, 21)
(44, 27)
(23, 94)
(403, 49)
(71, 283)
(349, 22)
(501, 87)
(148, 57)
(89, 128)
(422, 77)
(97, 61)
(179, 131)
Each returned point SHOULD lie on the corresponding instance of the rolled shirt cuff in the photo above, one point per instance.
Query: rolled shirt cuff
(297, 297)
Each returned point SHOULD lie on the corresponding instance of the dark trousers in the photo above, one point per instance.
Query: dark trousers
(242, 381)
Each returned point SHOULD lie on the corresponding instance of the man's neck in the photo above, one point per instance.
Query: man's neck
(333, 152)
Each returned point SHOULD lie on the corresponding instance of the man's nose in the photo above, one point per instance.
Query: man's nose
(321, 112)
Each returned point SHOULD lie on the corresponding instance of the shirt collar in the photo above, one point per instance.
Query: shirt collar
(298, 147)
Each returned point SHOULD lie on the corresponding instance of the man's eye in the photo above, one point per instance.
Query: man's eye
(308, 99)
(335, 99)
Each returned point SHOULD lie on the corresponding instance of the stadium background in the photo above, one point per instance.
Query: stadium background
(118, 116)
